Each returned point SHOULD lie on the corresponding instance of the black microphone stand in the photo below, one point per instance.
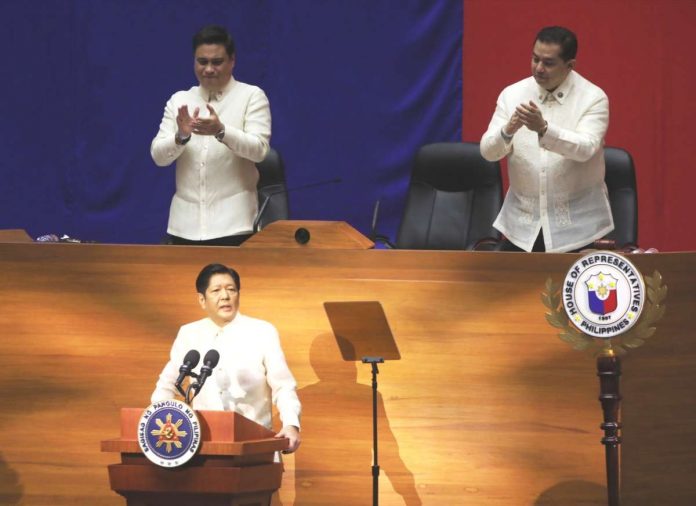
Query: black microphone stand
(257, 221)
(373, 361)
(191, 389)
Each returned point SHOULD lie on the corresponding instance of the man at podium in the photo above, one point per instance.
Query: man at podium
(251, 373)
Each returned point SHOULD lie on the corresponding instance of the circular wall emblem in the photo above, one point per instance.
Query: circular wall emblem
(603, 294)
(169, 433)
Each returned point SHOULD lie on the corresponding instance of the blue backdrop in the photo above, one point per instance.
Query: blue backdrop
(355, 88)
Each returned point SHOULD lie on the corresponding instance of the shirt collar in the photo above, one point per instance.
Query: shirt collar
(216, 96)
(216, 329)
(561, 93)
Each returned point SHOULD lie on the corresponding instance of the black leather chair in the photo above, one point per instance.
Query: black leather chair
(272, 190)
(620, 178)
(453, 198)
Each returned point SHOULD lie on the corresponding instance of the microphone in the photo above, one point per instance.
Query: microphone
(266, 200)
(210, 361)
(375, 214)
(190, 361)
(375, 236)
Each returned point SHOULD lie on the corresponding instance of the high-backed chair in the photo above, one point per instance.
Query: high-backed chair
(272, 190)
(620, 178)
(453, 198)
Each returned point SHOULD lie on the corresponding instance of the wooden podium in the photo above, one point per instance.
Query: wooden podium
(234, 466)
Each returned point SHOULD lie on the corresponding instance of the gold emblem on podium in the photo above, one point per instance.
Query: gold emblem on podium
(169, 433)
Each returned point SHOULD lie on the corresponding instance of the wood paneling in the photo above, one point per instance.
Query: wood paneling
(486, 406)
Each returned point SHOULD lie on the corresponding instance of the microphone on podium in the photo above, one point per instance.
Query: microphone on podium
(375, 215)
(210, 361)
(190, 361)
(265, 202)
(375, 236)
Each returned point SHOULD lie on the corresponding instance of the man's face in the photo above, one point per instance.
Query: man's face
(548, 68)
(221, 299)
(213, 66)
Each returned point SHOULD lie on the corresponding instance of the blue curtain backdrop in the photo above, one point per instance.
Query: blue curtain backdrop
(355, 88)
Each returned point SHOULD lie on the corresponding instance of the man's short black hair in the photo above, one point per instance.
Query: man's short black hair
(214, 34)
(203, 279)
(561, 36)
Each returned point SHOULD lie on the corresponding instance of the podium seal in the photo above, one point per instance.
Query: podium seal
(169, 433)
(603, 294)
(606, 304)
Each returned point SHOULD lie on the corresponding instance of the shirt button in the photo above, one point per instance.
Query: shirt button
(560, 94)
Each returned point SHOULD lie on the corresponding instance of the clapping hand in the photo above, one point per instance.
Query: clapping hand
(207, 126)
(531, 117)
(184, 122)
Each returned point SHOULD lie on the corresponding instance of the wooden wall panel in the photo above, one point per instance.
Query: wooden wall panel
(486, 407)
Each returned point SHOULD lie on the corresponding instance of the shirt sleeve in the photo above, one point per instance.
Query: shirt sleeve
(253, 139)
(164, 149)
(583, 142)
(493, 146)
(282, 382)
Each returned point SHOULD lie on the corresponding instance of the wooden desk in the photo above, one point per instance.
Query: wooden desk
(316, 234)
(486, 407)
(15, 235)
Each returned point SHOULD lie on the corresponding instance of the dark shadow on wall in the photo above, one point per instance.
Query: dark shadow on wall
(11, 490)
(334, 463)
(575, 493)
(30, 395)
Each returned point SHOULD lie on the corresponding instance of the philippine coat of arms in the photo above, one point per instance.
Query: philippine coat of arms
(169, 433)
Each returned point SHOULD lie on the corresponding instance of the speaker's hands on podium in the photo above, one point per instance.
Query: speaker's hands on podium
(293, 434)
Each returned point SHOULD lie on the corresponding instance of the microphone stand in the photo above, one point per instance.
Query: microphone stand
(375, 214)
(373, 361)
(255, 226)
(374, 235)
(189, 389)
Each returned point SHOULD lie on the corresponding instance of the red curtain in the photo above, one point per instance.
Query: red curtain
(642, 53)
